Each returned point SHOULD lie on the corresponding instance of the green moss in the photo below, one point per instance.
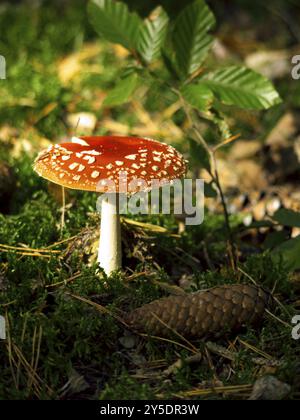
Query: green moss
(126, 388)
(38, 292)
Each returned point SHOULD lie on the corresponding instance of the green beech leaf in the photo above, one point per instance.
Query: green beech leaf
(198, 155)
(112, 20)
(241, 87)
(209, 190)
(198, 96)
(275, 239)
(289, 251)
(152, 35)
(287, 217)
(123, 91)
(191, 39)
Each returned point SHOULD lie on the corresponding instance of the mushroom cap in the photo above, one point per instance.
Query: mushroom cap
(92, 163)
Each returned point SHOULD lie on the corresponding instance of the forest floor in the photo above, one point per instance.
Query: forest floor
(60, 346)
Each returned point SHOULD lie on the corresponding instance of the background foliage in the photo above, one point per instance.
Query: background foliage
(167, 80)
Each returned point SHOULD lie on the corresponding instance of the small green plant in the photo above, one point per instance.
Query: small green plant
(58, 346)
(181, 46)
(173, 55)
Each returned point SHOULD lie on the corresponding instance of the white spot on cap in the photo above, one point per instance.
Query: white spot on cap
(144, 155)
(90, 159)
(81, 168)
(92, 152)
(73, 165)
(109, 166)
(79, 155)
(77, 140)
(61, 175)
(157, 159)
(119, 163)
(95, 174)
(130, 157)
(155, 168)
(76, 177)
(66, 157)
(135, 166)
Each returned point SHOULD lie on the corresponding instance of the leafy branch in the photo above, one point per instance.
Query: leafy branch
(181, 46)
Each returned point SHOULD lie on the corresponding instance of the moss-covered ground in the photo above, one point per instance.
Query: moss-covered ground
(61, 347)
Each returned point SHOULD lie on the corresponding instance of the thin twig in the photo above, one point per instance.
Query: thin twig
(9, 350)
(255, 349)
(64, 282)
(232, 389)
(278, 319)
(22, 342)
(27, 249)
(99, 308)
(167, 340)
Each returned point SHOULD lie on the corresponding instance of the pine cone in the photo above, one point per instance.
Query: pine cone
(211, 312)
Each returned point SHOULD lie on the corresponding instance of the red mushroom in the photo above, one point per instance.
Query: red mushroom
(96, 163)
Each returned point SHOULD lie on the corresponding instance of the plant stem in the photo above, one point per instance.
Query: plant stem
(231, 244)
(215, 177)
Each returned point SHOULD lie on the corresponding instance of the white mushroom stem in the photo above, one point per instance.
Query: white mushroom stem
(109, 253)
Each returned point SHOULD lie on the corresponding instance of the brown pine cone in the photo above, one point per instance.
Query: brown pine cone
(211, 312)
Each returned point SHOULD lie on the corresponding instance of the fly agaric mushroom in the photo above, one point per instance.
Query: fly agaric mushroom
(93, 163)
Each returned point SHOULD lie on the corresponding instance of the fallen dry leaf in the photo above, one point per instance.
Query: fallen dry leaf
(72, 64)
(251, 175)
(244, 149)
(272, 64)
(283, 131)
